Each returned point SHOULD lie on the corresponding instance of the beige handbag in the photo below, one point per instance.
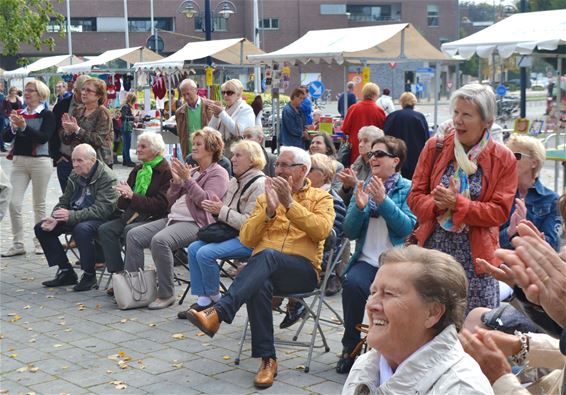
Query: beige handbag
(134, 289)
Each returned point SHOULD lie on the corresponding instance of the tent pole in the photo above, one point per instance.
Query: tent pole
(436, 89)
(345, 101)
(69, 34)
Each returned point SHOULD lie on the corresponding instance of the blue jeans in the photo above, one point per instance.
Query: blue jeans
(355, 291)
(205, 272)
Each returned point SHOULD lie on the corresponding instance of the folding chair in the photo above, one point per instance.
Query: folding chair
(102, 270)
(313, 309)
(181, 258)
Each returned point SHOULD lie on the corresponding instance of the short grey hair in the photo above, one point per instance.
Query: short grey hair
(187, 82)
(372, 132)
(86, 150)
(299, 155)
(442, 280)
(350, 85)
(481, 95)
(256, 131)
(154, 140)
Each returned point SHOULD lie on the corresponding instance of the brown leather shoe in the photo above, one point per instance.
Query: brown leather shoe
(206, 320)
(266, 373)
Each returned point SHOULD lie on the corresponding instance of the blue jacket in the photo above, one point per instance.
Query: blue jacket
(394, 209)
(291, 133)
(306, 109)
(542, 211)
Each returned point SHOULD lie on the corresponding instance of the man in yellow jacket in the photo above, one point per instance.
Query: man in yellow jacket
(286, 231)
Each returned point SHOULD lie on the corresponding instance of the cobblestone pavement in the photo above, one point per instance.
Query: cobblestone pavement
(56, 341)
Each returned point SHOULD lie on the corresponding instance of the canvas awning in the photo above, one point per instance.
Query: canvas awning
(519, 33)
(231, 51)
(130, 55)
(358, 45)
(41, 64)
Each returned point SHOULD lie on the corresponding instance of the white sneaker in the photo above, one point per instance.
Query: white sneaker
(14, 251)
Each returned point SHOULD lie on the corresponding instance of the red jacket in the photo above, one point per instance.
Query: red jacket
(483, 216)
(363, 113)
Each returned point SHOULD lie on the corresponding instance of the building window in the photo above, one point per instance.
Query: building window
(219, 24)
(77, 25)
(269, 23)
(144, 24)
(368, 13)
(432, 13)
(332, 9)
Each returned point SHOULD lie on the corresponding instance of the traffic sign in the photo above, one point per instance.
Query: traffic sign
(316, 89)
(151, 43)
(501, 90)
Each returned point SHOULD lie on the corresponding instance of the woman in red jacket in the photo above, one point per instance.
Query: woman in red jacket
(363, 113)
(464, 191)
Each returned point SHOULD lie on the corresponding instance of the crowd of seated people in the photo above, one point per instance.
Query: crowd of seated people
(477, 209)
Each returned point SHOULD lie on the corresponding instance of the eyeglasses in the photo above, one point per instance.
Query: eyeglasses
(380, 154)
(88, 90)
(287, 165)
(229, 93)
(519, 155)
(30, 90)
(315, 169)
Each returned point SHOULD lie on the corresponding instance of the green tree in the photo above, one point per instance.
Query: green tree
(545, 5)
(25, 22)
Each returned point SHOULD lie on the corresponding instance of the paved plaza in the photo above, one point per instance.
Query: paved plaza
(56, 341)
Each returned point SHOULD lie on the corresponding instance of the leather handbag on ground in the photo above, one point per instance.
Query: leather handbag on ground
(412, 238)
(134, 289)
(218, 232)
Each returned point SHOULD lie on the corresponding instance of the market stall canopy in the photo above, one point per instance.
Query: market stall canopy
(231, 51)
(519, 33)
(130, 55)
(368, 44)
(42, 64)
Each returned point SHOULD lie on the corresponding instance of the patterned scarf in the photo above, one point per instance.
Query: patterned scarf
(466, 165)
(143, 178)
(388, 184)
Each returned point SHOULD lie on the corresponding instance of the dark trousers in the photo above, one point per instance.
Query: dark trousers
(266, 273)
(64, 169)
(127, 139)
(355, 292)
(112, 235)
(83, 233)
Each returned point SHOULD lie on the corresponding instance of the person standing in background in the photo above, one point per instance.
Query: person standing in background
(350, 96)
(386, 102)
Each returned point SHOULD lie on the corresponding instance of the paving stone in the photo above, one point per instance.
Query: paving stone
(58, 387)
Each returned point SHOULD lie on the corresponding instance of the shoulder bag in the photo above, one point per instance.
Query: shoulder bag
(218, 232)
(134, 289)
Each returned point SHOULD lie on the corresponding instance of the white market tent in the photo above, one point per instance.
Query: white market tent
(130, 55)
(41, 64)
(519, 33)
(231, 51)
(358, 45)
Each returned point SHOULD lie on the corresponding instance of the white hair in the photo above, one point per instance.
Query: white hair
(154, 140)
(299, 155)
(480, 95)
(371, 131)
(86, 150)
(187, 82)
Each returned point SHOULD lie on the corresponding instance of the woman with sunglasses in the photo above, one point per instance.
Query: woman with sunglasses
(378, 213)
(232, 120)
(463, 191)
(533, 201)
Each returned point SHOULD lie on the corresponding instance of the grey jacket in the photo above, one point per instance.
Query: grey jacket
(441, 367)
(105, 196)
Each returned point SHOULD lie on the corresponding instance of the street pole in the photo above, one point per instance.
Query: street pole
(69, 38)
(153, 32)
(207, 26)
(523, 75)
(127, 37)
(257, 69)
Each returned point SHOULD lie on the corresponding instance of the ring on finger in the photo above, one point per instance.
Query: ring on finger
(545, 279)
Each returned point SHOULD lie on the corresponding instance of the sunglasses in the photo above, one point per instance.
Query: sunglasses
(229, 93)
(519, 155)
(380, 154)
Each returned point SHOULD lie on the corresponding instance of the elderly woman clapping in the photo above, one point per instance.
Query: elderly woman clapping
(232, 120)
(415, 309)
(189, 188)
(238, 203)
(463, 191)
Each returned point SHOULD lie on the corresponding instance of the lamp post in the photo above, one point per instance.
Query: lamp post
(190, 9)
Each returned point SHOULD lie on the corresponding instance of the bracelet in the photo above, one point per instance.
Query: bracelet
(519, 358)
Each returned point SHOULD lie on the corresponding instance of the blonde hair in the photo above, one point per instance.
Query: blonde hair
(370, 91)
(234, 85)
(41, 88)
(253, 149)
(534, 147)
(408, 99)
(131, 98)
(325, 164)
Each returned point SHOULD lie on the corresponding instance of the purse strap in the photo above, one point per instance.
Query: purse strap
(143, 285)
(437, 150)
(246, 187)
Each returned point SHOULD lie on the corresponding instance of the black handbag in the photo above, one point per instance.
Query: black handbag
(344, 154)
(218, 232)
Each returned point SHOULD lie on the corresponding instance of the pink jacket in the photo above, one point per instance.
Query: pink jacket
(483, 216)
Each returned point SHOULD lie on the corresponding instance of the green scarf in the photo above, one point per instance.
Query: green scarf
(143, 178)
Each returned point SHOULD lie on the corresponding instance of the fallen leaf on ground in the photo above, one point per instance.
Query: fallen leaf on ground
(32, 340)
(13, 355)
(178, 336)
(300, 367)
(67, 330)
(27, 306)
(17, 317)
(22, 369)
(33, 369)
(152, 324)
(97, 307)
(62, 323)
(124, 320)
(57, 345)
(177, 365)
(226, 357)
(199, 334)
